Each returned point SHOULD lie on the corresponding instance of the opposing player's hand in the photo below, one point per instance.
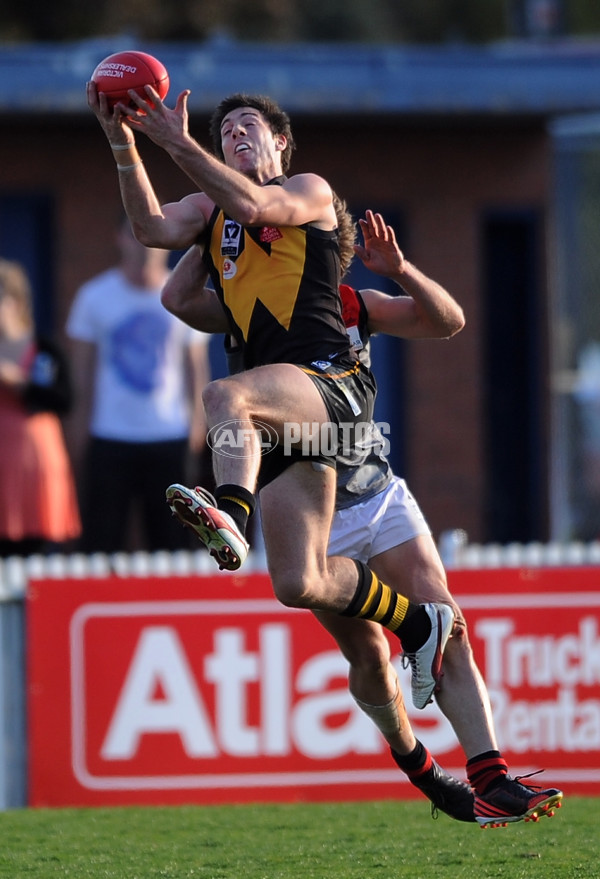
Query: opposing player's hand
(161, 124)
(380, 252)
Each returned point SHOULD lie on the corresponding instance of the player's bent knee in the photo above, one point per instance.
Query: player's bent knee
(292, 589)
(219, 394)
(366, 657)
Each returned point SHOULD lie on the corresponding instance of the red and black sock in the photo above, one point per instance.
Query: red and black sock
(486, 770)
(415, 764)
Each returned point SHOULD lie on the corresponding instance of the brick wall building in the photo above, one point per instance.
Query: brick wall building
(468, 188)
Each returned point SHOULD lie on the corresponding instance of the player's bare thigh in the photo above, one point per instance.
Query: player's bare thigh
(296, 512)
(414, 569)
(276, 394)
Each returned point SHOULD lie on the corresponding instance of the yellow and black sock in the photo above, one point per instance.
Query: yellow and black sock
(237, 502)
(373, 600)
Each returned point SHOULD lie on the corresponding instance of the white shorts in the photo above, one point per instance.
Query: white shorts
(373, 526)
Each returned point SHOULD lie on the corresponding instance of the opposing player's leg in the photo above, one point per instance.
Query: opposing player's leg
(415, 568)
(508, 800)
(375, 687)
(391, 532)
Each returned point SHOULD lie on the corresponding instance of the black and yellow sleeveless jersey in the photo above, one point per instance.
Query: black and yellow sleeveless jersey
(279, 288)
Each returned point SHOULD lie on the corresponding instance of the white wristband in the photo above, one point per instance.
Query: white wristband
(122, 146)
(129, 167)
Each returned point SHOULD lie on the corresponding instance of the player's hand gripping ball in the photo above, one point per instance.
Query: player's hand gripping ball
(123, 71)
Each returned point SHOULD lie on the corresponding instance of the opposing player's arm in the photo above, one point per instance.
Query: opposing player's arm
(409, 317)
(187, 297)
(428, 311)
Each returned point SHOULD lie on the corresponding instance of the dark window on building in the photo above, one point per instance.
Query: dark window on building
(27, 236)
(513, 377)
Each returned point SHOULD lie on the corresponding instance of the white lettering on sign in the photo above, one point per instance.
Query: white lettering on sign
(540, 660)
(312, 734)
(231, 668)
(159, 665)
(567, 661)
(160, 695)
(562, 724)
(263, 707)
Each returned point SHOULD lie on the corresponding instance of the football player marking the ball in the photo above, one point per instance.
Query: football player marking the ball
(377, 519)
(373, 681)
(271, 237)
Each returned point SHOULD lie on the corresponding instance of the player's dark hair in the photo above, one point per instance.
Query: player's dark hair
(277, 119)
(346, 232)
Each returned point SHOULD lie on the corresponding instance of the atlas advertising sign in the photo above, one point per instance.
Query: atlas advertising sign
(206, 690)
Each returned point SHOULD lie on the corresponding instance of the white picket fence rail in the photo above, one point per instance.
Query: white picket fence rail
(15, 571)
(456, 552)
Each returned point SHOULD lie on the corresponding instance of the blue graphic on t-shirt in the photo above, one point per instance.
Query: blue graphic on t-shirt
(137, 350)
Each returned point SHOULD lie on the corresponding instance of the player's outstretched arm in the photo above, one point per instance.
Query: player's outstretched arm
(172, 226)
(379, 252)
(428, 311)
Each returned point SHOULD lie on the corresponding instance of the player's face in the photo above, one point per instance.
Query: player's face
(249, 145)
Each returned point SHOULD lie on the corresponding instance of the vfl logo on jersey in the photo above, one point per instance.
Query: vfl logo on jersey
(321, 365)
(230, 238)
(268, 234)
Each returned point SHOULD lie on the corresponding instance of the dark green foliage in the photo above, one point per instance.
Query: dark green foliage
(385, 21)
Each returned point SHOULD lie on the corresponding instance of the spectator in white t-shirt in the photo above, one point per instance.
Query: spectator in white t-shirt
(138, 422)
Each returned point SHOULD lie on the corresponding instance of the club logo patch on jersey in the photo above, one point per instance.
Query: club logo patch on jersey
(231, 238)
(268, 234)
(321, 364)
(229, 269)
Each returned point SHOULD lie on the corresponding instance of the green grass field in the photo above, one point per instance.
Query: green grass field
(300, 841)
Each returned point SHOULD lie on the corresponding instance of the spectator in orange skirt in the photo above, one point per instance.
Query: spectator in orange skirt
(38, 499)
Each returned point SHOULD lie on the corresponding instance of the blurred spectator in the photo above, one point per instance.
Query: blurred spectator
(139, 422)
(38, 500)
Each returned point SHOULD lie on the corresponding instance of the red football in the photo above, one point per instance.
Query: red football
(130, 70)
